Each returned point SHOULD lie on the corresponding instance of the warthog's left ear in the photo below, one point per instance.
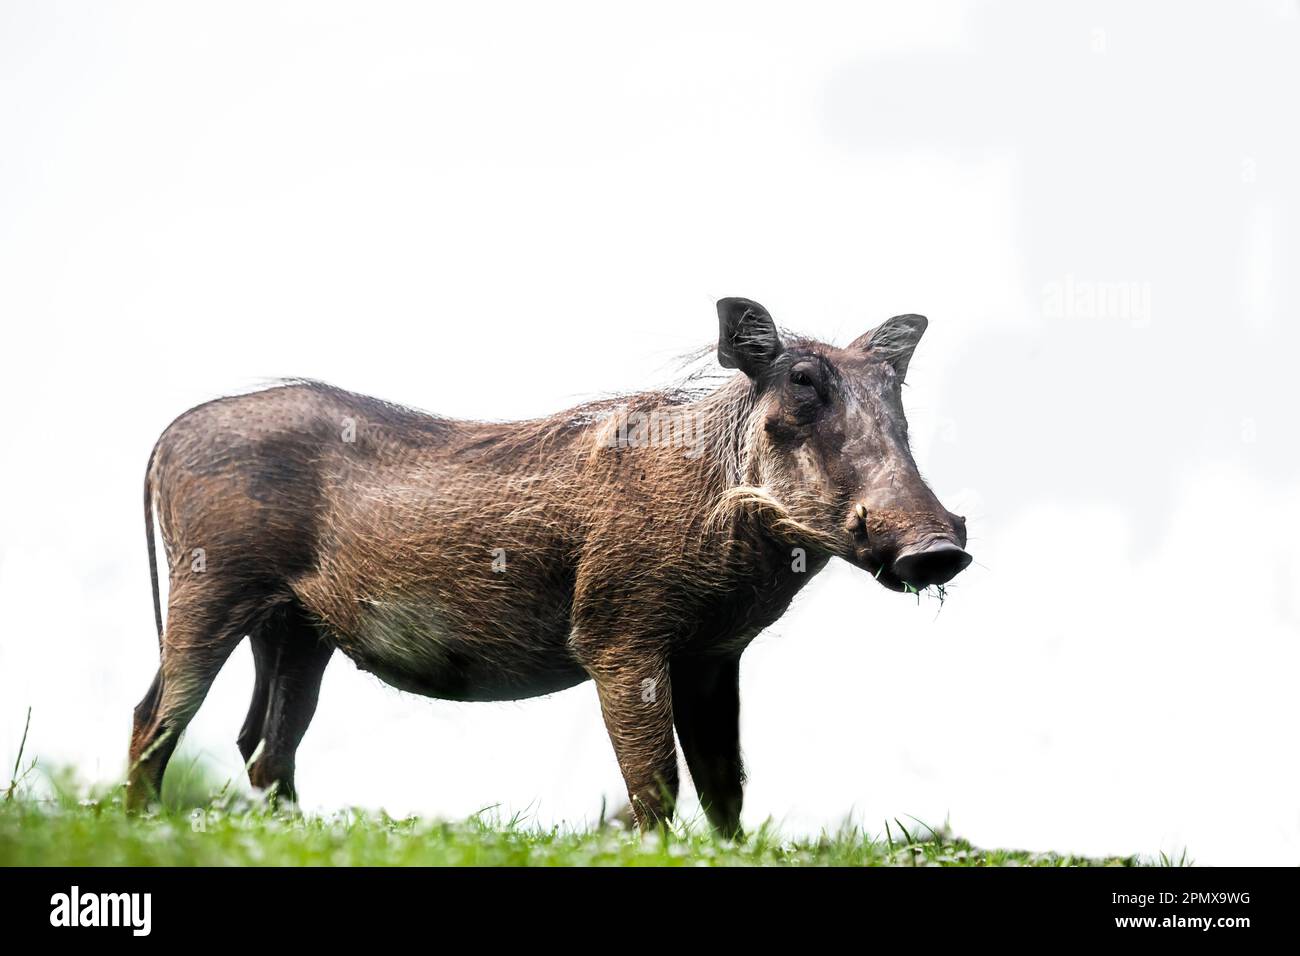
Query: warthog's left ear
(747, 336)
(894, 340)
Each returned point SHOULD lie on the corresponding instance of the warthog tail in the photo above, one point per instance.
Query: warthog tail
(153, 554)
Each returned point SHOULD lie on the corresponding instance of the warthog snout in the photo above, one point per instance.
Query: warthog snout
(909, 548)
(936, 563)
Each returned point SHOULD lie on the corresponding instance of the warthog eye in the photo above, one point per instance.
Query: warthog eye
(807, 397)
(805, 375)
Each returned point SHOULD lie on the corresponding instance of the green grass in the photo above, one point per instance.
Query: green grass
(70, 826)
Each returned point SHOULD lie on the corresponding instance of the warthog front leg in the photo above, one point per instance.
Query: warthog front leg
(636, 702)
(706, 707)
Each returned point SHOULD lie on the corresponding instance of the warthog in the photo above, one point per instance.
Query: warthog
(641, 542)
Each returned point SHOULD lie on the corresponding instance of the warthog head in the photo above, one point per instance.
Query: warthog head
(825, 450)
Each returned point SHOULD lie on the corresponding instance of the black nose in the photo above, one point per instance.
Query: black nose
(938, 563)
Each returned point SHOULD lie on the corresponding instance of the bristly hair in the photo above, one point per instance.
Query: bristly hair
(378, 410)
(725, 400)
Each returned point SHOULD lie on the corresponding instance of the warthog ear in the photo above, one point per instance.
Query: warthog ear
(894, 340)
(747, 336)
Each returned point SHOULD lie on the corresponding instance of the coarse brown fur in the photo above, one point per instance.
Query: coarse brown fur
(641, 542)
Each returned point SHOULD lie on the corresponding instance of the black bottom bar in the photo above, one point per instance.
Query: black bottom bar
(242, 906)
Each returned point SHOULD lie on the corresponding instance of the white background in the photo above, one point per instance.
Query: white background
(502, 210)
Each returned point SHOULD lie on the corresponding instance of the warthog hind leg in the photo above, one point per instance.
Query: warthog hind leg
(204, 624)
(290, 659)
